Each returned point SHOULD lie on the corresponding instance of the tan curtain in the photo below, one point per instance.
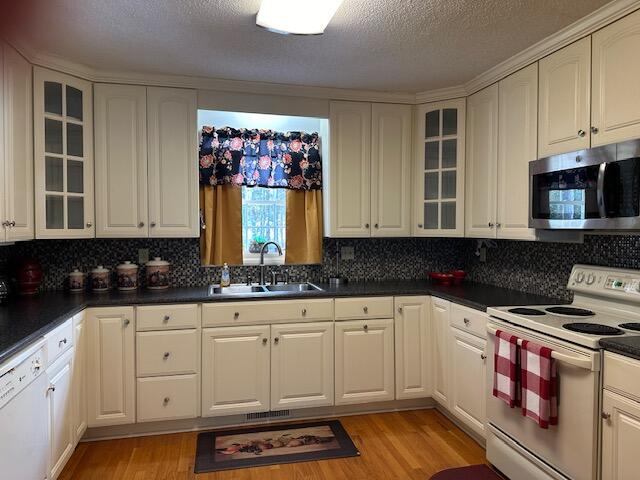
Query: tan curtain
(221, 240)
(304, 226)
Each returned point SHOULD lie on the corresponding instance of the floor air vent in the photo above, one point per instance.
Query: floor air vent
(275, 414)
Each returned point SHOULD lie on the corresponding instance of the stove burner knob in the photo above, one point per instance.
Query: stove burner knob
(591, 279)
(579, 277)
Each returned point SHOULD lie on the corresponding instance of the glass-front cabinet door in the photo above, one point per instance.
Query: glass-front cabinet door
(439, 209)
(63, 153)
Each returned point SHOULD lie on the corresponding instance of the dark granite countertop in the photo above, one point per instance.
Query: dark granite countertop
(627, 346)
(26, 319)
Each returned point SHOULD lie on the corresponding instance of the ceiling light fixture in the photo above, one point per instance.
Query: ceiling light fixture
(298, 17)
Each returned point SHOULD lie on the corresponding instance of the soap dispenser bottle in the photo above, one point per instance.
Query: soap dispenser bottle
(225, 279)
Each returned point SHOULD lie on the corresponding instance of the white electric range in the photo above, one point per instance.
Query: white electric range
(606, 304)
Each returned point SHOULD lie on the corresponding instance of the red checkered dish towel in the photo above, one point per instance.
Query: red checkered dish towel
(505, 371)
(539, 384)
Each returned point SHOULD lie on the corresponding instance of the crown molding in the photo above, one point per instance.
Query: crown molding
(447, 93)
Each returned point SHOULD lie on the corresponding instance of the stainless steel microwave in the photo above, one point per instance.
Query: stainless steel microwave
(594, 189)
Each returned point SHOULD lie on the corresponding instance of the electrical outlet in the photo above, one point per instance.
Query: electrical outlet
(483, 254)
(143, 255)
(347, 253)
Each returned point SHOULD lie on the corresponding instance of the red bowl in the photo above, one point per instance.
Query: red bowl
(458, 276)
(441, 278)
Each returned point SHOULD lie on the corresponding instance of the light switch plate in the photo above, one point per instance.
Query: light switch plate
(347, 253)
(143, 255)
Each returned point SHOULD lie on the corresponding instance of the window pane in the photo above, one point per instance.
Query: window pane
(75, 175)
(431, 191)
(449, 121)
(52, 136)
(432, 124)
(431, 155)
(449, 153)
(75, 207)
(449, 184)
(263, 218)
(74, 103)
(448, 215)
(53, 176)
(430, 215)
(74, 140)
(53, 98)
(54, 211)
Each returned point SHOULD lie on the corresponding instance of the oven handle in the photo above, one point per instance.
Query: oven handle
(602, 173)
(585, 363)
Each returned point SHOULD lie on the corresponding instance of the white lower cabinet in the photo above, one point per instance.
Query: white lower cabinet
(301, 365)
(412, 351)
(440, 312)
(61, 428)
(111, 363)
(468, 391)
(167, 398)
(364, 361)
(235, 370)
(79, 376)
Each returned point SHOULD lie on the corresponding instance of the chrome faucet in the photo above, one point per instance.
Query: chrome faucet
(263, 267)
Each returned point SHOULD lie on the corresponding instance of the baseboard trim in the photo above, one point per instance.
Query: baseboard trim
(479, 439)
(208, 423)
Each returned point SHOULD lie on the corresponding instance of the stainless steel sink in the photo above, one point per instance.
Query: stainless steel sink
(293, 287)
(235, 289)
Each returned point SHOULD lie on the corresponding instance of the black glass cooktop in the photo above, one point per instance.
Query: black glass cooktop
(572, 311)
(593, 328)
(526, 311)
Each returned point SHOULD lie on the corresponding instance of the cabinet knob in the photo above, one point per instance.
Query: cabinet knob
(276, 340)
(304, 312)
(466, 321)
(365, 309)
(581, 133)
(52, 388)
(419, 225)
(400, 310)
(376, 225)
(491, 224)
(126, 322)
(578, 158)
(483, 356)
(366, 225)
(166, 318)
(89, 224)
(594, 130)
(366, 327)
(62, 342)
(166, 355)
(236, 315)
(166, 400)
(152, 224)
(264, 341)
(141, 224)
(498, 225)
(605, 416)
(12, 223)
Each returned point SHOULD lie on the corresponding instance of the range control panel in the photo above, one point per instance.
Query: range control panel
(605, 282)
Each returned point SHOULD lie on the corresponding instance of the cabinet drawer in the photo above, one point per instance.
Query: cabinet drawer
(167, 352)
(59, 341)
(166, 317)
(622, 375)
(364, 307)
(167, 398)
(274, 311)
(468, 320)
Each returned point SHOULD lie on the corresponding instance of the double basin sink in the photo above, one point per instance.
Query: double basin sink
(247, 289)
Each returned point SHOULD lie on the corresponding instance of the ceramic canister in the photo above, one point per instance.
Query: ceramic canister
(157, 274)
(127, 276)
(100, 279)
(76, 281)
(29, 277)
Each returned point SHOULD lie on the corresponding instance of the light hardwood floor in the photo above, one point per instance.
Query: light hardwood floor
(401, 445)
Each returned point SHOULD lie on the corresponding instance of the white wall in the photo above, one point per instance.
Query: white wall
(280, 123)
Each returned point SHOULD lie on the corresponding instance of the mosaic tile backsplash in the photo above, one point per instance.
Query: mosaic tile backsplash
(534, 267)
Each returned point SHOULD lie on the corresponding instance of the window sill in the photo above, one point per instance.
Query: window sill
(269, 259)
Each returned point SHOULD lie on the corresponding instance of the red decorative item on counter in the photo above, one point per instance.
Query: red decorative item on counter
(29, 277)
(458, 276)
(441, 278)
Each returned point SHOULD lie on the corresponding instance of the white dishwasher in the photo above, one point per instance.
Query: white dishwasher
(24, 443)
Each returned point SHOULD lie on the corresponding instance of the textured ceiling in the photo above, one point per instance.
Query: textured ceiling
(391, 45)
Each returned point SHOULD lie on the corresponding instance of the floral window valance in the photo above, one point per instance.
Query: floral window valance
(262, 158)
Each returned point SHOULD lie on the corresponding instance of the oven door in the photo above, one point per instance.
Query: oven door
(571, 447)
(590, 189)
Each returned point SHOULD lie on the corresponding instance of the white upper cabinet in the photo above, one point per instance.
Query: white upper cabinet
(440, 169)
(615, 104)
(516, 148)
(564, 106)
(481, 163)
(120, 115)
(172, 146)
(349, 170)
(391, 170)
(16, 158)
(63, 155)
